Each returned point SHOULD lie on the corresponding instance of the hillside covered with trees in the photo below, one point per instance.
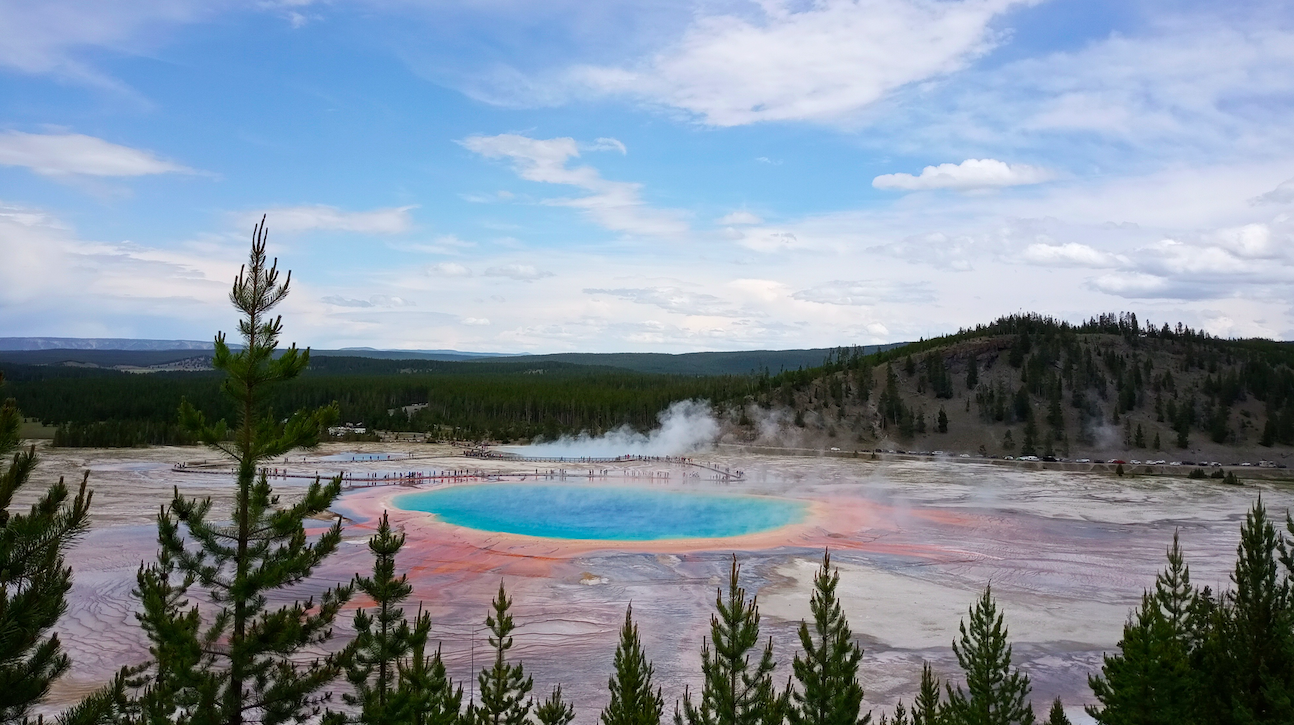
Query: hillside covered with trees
(1031, 385)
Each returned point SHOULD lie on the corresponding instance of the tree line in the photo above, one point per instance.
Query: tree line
(452, 400)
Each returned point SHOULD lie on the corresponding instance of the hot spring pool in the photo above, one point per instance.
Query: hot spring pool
(603, 512)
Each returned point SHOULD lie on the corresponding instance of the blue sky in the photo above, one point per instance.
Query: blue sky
(645, 176)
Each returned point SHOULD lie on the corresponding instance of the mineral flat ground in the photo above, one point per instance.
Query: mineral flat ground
(1067, 554)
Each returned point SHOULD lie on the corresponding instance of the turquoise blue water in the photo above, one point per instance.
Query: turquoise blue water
(593, 512)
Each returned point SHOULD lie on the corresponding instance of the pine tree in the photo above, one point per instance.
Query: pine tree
(425, 695)
(384, 638)
(632, 700)
(504, 686)
(1255, 680)
(1148, 681)
(733, 694)
(242, 663)
(555, 710)
(996, 693)
(829, 692)
(900, 716)
(34, 579)
(942, 421)
(928, 706)
(1057, 716)
(972, 373)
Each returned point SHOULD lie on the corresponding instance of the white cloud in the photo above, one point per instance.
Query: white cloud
(741, 216)
(448, 269)
(609, 144)
(1191, 87)
(1132, 284)
(1282, 194)
(1252, 241)
(1072, 254)
(45, 37)
(969, 174)
(519, 272)
(673, 299)
(391, 220)
(820, 61)
(443, 244)
(76, 154)
(369, 302)
(616, 205)
(867, 293)
(476, 321)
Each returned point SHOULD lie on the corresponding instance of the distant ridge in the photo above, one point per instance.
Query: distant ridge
(10, 344)
(131, 355)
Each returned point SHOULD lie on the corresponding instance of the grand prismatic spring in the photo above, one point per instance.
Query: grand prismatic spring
(1068, 554)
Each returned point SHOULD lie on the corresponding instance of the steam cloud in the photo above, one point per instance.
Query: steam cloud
(686, 426)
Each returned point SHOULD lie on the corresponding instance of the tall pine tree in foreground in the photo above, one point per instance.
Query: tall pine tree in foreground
(1151, 681)
(34, 579)
(505, 688)
(383, 638)
(829, 692)
(238, 659)
(632, 700)
(996, 693)
(734, 693)
(1252, 671)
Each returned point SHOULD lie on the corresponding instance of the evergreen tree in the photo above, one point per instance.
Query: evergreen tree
(942, 421)
(425, 694)
(928, 707)
(900, 716)
(996, 693)
(733, 693)
(972, 373)
(632, 700)
(383, 638)
(242, 664)
(504, 686)
(555, 710)
(1147, 683)
(1029, 446)
(1057, 716)
(829, 692)
(1254, 682)
(34, 578)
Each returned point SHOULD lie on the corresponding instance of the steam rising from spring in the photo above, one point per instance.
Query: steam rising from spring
(685, 426)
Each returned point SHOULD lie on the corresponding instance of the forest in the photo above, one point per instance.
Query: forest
(1032, 385)
(1023, 384)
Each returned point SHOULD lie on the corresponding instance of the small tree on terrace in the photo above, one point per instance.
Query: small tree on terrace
(829, 692)
(383, 637)
(243, 664)
(996, 693)
(505, 688)
(734, 693)
(633, 702)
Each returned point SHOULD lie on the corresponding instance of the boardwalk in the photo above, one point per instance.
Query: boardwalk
(361, 479)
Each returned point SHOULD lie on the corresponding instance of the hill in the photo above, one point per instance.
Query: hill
(143, 356)
(702, 363)
(1029, 385)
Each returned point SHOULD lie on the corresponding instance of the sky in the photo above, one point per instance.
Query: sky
(645, 175)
